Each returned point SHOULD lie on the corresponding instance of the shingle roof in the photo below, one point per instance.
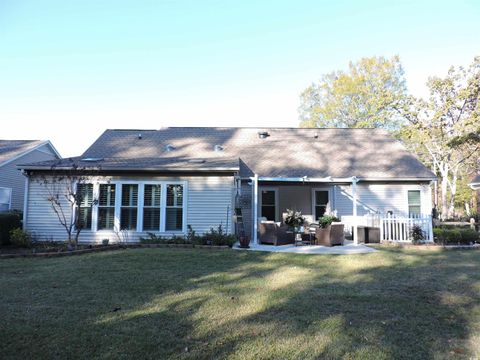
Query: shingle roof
(13, 148)
(286, 152)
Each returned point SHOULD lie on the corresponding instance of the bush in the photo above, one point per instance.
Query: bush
(455, 236)
(326, 220)
(213, 237)
(417, 234)
(469, 236)
(20, 238)
(218, 237)
(8, 222)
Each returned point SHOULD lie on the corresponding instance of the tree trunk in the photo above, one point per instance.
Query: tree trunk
(443, 167)
(453, 193)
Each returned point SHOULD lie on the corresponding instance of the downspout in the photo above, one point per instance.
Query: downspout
(354, 196)
(255, 209)
(25, 200)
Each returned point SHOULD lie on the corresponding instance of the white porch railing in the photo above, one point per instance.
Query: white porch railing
(393, 227)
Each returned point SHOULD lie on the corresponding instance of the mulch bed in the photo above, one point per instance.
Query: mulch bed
(57, 252)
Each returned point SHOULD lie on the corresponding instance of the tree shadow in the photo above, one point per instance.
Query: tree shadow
(412, 304)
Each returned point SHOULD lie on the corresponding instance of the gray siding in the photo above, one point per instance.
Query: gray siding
(372, 198)
(11, 177)
(207, 200)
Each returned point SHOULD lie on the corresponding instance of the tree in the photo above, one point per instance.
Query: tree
(443, 130)
(367, 95)
(70, 194)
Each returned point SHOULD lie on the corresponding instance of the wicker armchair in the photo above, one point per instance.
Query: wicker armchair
(271, 233)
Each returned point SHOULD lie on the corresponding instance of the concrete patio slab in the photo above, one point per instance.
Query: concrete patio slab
(346, 249)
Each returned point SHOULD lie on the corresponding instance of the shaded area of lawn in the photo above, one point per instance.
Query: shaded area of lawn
(187, 303)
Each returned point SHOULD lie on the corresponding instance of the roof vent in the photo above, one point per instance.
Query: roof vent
(315, 135)
(139, 136)
(218, 148)
(196, 161)
(169, 147)
(263, 134)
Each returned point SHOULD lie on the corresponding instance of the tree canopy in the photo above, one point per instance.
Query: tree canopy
(367, 95)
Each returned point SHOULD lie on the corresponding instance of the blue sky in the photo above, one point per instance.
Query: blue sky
(70, 69)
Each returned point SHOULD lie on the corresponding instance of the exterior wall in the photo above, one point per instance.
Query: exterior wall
(13, 178)
(371, 198)
(207, 200)
(380, 198)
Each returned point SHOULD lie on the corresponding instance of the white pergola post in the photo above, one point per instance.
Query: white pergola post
(355, 220)
(255, 209)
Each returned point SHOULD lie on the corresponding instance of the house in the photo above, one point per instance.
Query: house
(12, 182)
(163, 180)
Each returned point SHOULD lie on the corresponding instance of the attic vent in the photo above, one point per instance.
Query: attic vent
(197, 161)
(263, 134)
(169, 147)
(218, 148)
(92, 159)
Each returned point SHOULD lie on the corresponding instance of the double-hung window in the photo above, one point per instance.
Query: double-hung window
(414, 202)
(174, 208)
(151, 207)
(128, 212)
(85, 202)
(5, 198)
(106, 207)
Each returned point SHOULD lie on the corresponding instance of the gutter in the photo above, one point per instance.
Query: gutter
(330, 179)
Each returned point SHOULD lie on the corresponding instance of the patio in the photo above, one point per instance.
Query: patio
(347, 249)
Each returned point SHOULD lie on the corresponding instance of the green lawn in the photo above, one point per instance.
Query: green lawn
(190, 303)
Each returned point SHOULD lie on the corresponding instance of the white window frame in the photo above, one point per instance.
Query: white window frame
(277, 207)
(9, 198)
(141, 191)
(421, 202)
(329, 204)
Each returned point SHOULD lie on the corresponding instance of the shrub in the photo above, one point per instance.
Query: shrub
(455, 236)
(8, 222)
(417, 234)
(20, 238)
(469, 236)
(326, 220)
(217, 237)
(153, 239)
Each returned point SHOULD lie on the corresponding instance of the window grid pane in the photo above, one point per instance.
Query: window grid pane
(85, 202)
(128, 213)
(174, 210)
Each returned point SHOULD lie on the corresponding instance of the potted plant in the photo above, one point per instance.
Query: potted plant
(323, 232)
(294, 219)
(244, 241)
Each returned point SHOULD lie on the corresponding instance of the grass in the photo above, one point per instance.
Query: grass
(190, 304)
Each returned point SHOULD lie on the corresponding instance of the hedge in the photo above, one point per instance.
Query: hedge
(8, 222)
(455, 236)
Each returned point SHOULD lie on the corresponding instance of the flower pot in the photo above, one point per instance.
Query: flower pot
(244, 242)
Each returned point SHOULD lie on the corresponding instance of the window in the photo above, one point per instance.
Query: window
(5, 197)
(106, 207)
(321, 203)
(151, 208)
(85, 202)
(269, 209)
(414, 202)
(174, 208)
(128, 213)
